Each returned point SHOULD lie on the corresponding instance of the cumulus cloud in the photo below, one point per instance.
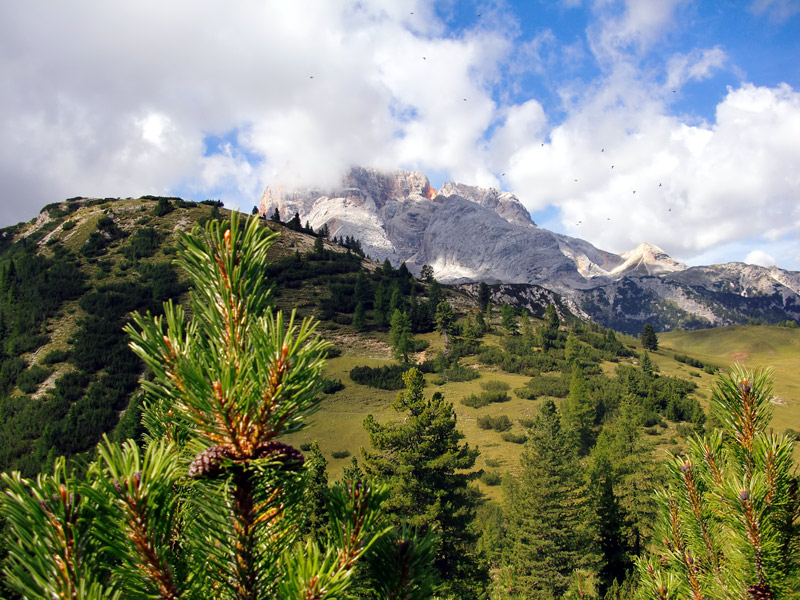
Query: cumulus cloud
(218, 100)
(684, 188)
(759, 257)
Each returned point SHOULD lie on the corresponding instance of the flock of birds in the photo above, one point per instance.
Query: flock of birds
(633, 191)
(602, 150)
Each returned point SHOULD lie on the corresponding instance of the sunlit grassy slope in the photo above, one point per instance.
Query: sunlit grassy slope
(752, 346)
(338, 424)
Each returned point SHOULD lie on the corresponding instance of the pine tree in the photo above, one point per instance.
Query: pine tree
(426, 273)
(211, 507)
(622, 480)
(646, 364)
(548, 331)
(649, 338)
(400, 337)
(728, 522)
(549, 519)
(358, 318)
(445, 320)
(276, 216)
(483, 296)
(508, 316)
(579, 411)
(424, 462)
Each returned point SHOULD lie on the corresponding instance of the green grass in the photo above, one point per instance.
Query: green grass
(339, 423)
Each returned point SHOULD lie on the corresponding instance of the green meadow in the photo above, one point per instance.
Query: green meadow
(337, 425)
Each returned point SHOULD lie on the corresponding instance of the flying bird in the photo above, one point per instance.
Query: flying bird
(612, 166)
(659, 185)
(602, 149)
(634, 191)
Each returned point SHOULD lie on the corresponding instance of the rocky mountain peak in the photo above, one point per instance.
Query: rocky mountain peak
(647, 259)
(505, 204)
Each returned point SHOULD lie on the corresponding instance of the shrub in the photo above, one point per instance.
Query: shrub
(340, 453)
(526, 423)
(495, 386)
(459, 373)
(791, 433)
(330, 386)
(30, 379)
(485, 422)
(499, 423)
(493, 462)
(54, 357)
(474, 401)
(67, 225)
(491, 478)
(545, 385)
(495, 396)
(164, 207)
(389, 377)
(514, 438)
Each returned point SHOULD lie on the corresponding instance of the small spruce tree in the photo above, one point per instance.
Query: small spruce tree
(649, 338)
(426, 465)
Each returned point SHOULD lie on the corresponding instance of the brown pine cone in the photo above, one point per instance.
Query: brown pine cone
(760, 591)
(209, 462)
(284, 453)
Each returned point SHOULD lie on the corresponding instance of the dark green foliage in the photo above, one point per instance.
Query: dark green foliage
(483, 296)
(728, 524)
(487, 397)
(401, 564)
(400, 337)
(508, 316)
(491, 478)
(340, 453)
(164, 207)
(145, 242)
(514, 438)
(548, 513)
(545, 385)
(331, 386)
(30, 379)
(457, 372)
(426, 273)
(548, 331)
(498, 423)
(649, 338)
(98, 241)
(495, 386)
(389, 377)
(424, 461)
(54, 357)
(621, 478)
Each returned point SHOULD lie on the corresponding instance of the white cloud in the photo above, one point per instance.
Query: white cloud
(759, 257)
(776, 10)
(694, 66)
(695, 186)
(302, 90)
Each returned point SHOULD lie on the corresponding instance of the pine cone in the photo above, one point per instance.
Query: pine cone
(760, 591)
(289, 456)
(209, 462)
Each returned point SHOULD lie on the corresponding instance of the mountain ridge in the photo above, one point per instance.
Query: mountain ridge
(468, 234)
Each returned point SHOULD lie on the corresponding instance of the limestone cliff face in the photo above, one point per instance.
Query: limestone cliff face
(469, 234)
(465, 233)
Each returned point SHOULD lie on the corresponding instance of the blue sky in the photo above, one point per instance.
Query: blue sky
(695, 105)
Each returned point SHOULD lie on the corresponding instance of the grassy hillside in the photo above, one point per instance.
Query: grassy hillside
(751, 346)
(68, 377)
